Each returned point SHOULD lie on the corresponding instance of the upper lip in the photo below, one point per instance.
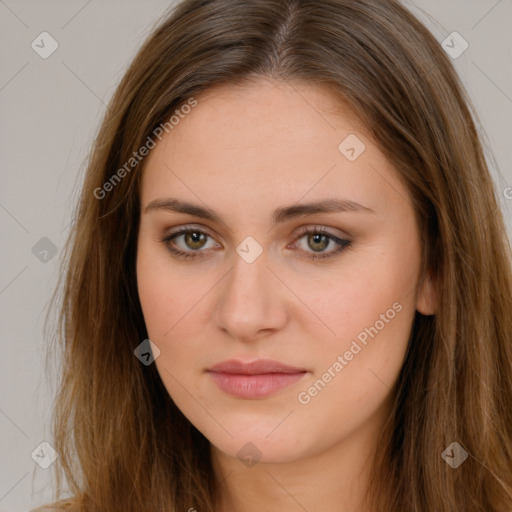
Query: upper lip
(258, 367)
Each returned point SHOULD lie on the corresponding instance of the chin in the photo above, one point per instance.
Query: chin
(257, 443)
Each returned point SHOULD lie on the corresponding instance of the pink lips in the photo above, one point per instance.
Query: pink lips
(256, 379)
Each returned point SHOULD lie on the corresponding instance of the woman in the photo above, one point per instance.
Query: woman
(289, 283)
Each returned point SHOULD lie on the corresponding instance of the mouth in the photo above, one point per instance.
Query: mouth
(255, 379)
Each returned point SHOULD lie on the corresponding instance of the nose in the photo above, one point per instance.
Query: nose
(251, 301)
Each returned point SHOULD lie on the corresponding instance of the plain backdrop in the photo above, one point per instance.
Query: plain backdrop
(50, 111)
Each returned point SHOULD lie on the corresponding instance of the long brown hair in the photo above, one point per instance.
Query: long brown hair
(123, 444)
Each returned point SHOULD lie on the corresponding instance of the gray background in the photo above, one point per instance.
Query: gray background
(50, 111)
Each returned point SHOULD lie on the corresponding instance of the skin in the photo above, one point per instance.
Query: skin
(243, 152)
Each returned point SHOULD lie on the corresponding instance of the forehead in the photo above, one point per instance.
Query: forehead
(264, 140)
(263, 109)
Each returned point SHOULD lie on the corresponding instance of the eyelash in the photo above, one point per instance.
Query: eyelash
(341, 242)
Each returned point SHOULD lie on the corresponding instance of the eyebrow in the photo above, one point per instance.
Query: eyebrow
(283, 214)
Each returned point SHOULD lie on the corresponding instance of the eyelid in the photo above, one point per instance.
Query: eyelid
(183, 229)
(342, 242)
(188, 227)
(320, 229)
(308, 228)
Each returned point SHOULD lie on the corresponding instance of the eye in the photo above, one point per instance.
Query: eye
(193, 240)
(318, 239)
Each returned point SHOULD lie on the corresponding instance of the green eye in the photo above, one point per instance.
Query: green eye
(318, 239)
(195, 239)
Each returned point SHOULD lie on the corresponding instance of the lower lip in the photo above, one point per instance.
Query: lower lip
(254, 386)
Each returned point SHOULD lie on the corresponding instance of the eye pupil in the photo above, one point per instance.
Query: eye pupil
(196, 238)
(317, 240)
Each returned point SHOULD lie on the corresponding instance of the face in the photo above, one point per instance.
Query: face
(270, 334)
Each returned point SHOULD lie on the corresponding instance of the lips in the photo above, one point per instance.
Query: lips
(260, 366)
(254, 379)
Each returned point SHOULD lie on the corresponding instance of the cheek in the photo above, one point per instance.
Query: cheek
(374, 292)
(367, 314)
(164, 295)
(356, 369)
(173, 310)
(155, 294)
(171, 304)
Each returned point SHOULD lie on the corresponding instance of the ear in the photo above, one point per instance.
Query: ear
(427, 299)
